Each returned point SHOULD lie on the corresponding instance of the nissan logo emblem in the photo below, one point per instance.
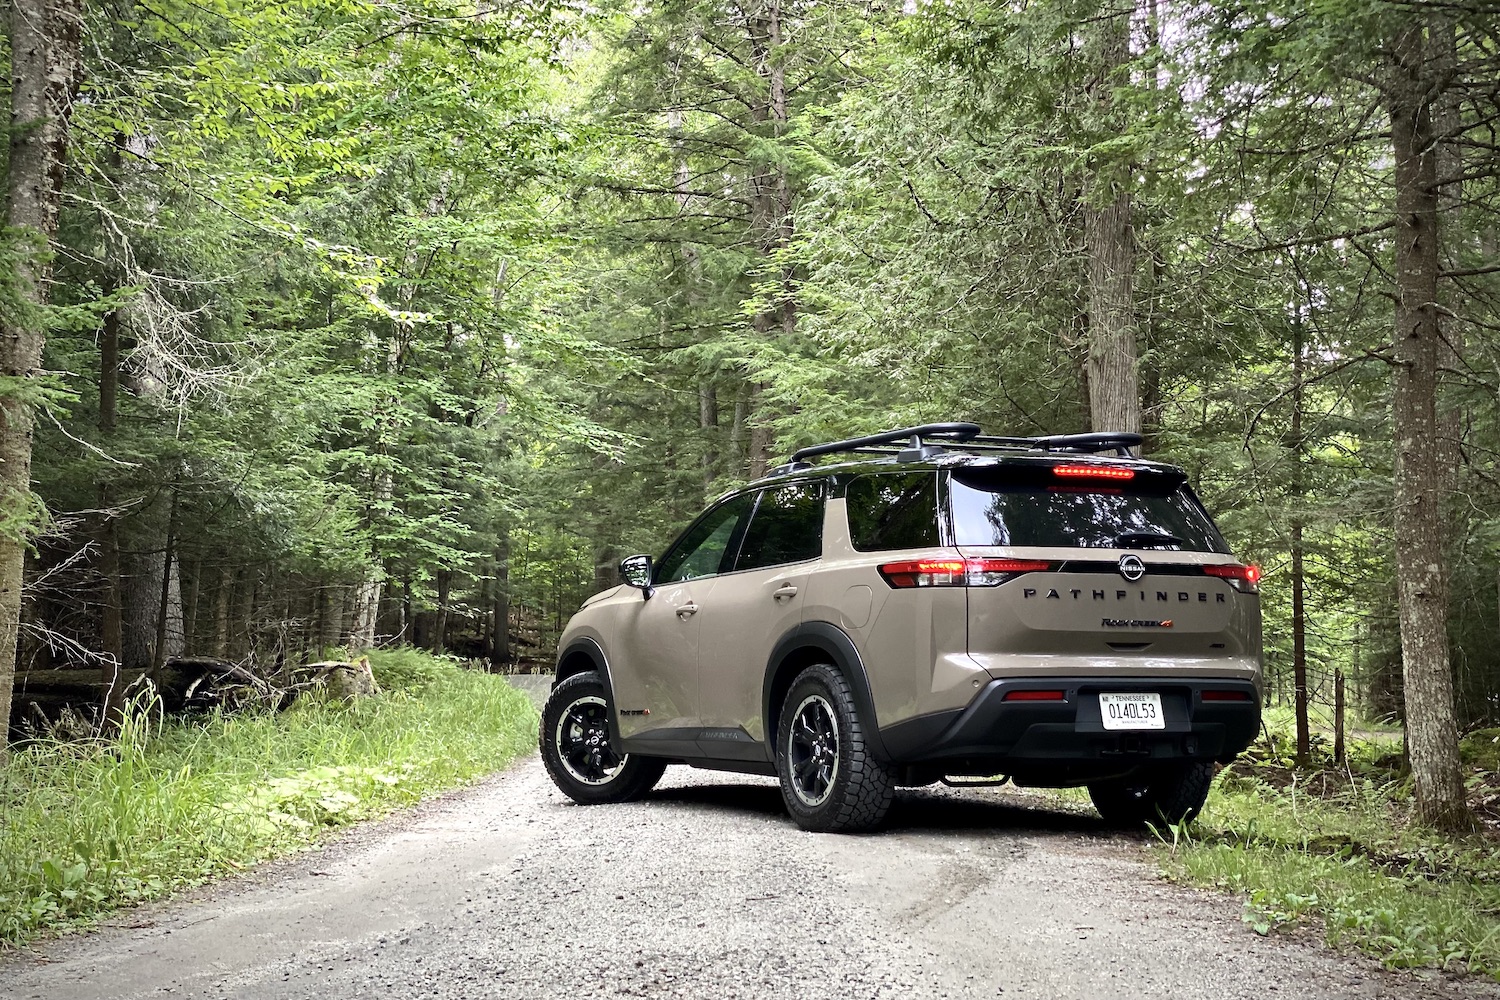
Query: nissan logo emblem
(1131, 568)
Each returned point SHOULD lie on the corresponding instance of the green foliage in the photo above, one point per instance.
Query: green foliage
(88, 828)
(1338, 849)
(407, 670)
(1481, 749)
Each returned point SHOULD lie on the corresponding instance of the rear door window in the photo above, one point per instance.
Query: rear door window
(787, 527)
(1003, 505)
(893, 511)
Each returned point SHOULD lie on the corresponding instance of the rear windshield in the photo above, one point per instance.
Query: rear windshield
(1007, 506)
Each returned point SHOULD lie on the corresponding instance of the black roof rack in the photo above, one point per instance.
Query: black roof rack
(913, 444)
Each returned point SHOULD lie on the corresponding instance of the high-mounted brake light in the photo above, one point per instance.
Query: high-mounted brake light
(1242, 578)
(957, 572)
(1092, 472)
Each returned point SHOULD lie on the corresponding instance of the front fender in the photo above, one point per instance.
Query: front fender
(584, 653)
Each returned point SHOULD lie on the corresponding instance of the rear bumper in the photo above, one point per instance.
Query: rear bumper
(1065, 742)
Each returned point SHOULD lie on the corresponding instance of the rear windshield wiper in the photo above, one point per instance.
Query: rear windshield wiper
(1145, 540)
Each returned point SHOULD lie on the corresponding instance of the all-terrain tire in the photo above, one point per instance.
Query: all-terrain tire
(831, 780)
(577, 752)
(1162, 794)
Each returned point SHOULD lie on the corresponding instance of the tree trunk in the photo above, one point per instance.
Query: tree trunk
(242, 625)
(193, 588)
(111, 633)
(737, 426)
(708, 423)
(440, 626)
(606, 567)
(170, 594)
(366, 611)
(1422, 585)
(45, 65)
(1299, 574)
(322, 625)
(1114, 365)
(111, 628)
(408, 627)
(221, 611)
(1338, 716)
(770, 214)
(142, 603)
(500, 643)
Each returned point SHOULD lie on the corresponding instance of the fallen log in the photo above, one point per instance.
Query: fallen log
(185, 685)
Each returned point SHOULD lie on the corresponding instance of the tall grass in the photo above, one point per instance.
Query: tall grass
(88, 828)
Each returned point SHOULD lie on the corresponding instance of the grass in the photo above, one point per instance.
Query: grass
(1337, 849)
(87, 828)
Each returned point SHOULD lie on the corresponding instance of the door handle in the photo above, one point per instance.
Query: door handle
(787, 592)
(687, 611)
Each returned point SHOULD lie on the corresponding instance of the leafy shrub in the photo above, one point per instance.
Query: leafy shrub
(1481, 749)
(406, 668)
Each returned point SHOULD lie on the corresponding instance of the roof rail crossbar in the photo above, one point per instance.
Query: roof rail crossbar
(956, 432)
(908, 444)
(1091, 443)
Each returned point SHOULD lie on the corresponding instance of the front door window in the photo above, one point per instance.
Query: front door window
(705, 549)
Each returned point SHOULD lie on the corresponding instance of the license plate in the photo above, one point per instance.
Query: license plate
(1132, 711)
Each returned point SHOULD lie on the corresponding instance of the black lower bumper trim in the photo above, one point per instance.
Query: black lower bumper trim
(1033, 738)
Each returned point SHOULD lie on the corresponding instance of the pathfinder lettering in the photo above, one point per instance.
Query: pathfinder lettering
(1182, 596)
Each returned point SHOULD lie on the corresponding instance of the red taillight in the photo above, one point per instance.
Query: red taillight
(1245, 578)
(1092, 472)
(1225, 696)
(957, 572)
(1035, 696)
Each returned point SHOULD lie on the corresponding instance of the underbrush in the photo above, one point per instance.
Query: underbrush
(86, 828)
(1338, 848)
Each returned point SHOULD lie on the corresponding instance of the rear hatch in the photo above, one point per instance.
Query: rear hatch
(1096, 566)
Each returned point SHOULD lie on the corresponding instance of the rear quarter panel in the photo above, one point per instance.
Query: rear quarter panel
(913, 643)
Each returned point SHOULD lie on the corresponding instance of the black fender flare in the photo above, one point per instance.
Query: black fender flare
(837, 649)
(575, 653)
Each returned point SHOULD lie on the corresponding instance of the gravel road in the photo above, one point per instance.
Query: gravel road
(705, 890)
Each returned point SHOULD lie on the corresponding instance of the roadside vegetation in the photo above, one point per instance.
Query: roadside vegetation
(1335, 847)
(86, 828)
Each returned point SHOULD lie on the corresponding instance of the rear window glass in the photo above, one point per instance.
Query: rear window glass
(1000, 506)
(787, 527)
(893, 511)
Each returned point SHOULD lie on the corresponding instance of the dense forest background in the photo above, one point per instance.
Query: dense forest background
(380, 322)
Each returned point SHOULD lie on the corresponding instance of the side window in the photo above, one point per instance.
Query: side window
(701, 551)
(787, 527)
(893, 511)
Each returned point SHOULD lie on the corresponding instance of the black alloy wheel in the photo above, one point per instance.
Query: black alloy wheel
(831, 779)
(577, 750)
(583, 741)
(814, 750)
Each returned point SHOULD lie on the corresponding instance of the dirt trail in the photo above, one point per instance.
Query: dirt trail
(705, 890)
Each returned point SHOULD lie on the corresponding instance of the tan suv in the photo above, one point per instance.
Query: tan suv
(939, 605)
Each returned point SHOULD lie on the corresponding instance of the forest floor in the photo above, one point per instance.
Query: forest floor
(507, 889)
(1333, 846)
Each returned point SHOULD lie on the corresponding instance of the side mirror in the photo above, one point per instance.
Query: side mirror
(636, 572)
